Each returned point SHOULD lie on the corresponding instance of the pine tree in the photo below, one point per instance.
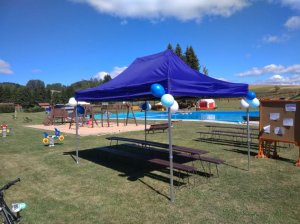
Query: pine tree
(178, 52)
(170, 47)
(205, 70)
(191, 58)
(106, 78)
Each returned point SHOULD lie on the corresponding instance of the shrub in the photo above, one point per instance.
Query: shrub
(7, 108)
(34, 109)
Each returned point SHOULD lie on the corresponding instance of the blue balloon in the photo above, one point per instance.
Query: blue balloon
(167, 100)
(145, 106)
(251, 95)
(157, 90)
(80, 109)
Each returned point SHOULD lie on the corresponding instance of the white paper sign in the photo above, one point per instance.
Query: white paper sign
(278, 131)
(288, 122)
(267, 129)
(290, 107)
(274, 116)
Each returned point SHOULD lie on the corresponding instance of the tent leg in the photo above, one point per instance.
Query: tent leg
(172, 196)
(77, 161)
(248, 138)
(145, 123)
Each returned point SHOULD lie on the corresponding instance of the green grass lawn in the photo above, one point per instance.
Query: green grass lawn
(105, 189)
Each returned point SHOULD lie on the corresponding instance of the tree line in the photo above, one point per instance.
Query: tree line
(35, 91)
(189, 57)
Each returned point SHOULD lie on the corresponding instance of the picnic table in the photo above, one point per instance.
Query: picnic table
(187, 152)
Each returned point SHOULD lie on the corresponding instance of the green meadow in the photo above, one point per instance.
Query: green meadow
(110, 189)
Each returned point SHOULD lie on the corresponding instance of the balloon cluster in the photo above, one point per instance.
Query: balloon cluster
(167, 100)
(250, 100)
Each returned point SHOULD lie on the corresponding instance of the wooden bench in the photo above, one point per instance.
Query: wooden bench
(180, 151)
(232, 134)
(156, 127)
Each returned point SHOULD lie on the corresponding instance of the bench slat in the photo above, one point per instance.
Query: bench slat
(177, 166)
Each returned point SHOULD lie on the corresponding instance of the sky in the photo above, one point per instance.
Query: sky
(65, 41)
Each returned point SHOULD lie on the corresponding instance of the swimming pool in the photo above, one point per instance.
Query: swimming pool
(227, 116)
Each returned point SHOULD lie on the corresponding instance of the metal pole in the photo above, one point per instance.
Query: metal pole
(172, 196)
(248, 137)
(77, 161)
(145, 123)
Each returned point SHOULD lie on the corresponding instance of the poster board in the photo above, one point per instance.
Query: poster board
(280, 121)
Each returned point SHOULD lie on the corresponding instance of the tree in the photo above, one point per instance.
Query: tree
(55, 86)
(106, 78)
(37, 90)
(205, 70)
(24, 97)
(178, 52)
(276, 88)
(7, 95)
(191, 58)
(34, 84)
(170, 47)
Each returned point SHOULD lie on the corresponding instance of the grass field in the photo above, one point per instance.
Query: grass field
(103, 189)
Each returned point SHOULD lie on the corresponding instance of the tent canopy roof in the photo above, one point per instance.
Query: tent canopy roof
(167, 69)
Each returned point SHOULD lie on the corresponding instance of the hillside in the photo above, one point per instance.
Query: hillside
(276, 91)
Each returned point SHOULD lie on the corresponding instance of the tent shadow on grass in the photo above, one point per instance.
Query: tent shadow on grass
(133, 169)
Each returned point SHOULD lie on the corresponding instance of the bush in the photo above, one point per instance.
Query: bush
(34, 109)
(7, 108)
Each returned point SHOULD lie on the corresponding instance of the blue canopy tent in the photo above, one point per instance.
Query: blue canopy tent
(167, 69)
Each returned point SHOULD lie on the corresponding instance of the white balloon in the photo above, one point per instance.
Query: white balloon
(174, 108)
(149, 107)
(244, 104)
(167, 100)
(72, 101)
(254, 103)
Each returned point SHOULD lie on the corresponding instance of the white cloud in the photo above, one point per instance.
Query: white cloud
(100, 75)
(222, 79)
(5, 68)
(294, 4)
(282, 80)
(36, 70)
(293, 23)
(272, 69)
(160, 9)
(272, 39)
(124, 22)
(114, 73)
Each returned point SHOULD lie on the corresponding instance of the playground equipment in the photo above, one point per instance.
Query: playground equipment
(4, 130)
(49, 139)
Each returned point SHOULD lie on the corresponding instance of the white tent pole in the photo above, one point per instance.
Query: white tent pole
(77, 161)
(248, 137)
(172, 196)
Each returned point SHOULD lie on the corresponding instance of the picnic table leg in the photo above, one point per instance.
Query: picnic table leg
(298, 161)
(275, 154)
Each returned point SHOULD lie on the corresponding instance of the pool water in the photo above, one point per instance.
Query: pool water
(227, 116)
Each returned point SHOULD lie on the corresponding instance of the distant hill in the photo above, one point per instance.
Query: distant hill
(276, 91)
